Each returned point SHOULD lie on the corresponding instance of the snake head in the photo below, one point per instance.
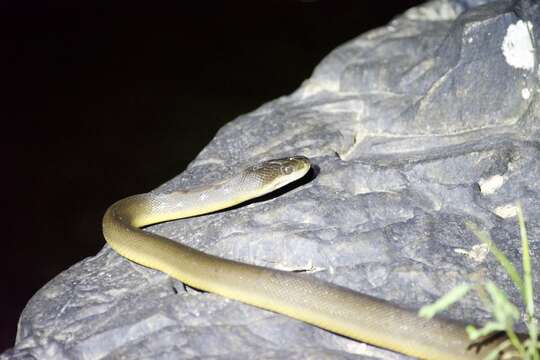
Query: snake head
(273, 174)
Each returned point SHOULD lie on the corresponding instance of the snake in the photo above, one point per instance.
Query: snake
(301, 296)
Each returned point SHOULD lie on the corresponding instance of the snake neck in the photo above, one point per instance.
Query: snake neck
(147, 209)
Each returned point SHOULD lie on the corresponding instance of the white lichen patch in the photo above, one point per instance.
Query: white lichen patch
(433, 11)
(525, 93)
(506, 211)
(477, 253)
(310, 87)
(517, 46)
(490, 185)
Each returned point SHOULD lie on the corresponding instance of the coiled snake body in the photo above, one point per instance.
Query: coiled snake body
(299, 296)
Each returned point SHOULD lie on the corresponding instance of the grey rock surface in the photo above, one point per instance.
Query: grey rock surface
(414, 128)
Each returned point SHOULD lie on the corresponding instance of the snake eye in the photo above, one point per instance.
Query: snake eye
(287, 170)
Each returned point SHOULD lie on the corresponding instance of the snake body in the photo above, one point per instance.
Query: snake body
(299, 296)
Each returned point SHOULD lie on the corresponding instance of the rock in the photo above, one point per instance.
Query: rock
(414, 128)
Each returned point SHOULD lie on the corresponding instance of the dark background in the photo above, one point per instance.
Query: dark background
(101, 102)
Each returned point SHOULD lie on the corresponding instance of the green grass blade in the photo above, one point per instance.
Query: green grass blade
(526, 260)
(532, 343)
(455, 294)
(501, 258)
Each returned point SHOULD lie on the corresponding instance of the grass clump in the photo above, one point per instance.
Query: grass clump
(504, 313)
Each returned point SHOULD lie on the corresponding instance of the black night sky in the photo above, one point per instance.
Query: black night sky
(101, 102)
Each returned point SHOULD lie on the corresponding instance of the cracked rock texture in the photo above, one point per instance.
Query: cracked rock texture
(414, 128)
